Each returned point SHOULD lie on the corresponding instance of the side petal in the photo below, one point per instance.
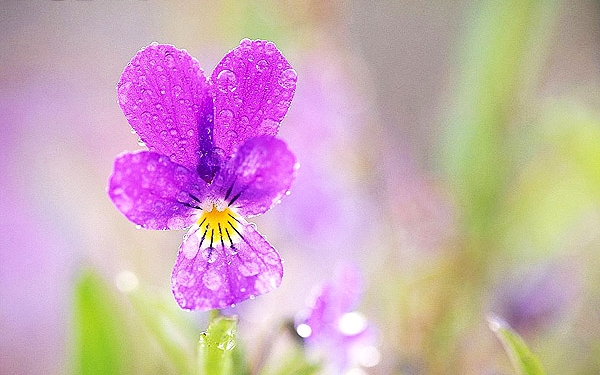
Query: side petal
(253, 87)
(165, 97)
(154, 192)
(215, 277)
(257, 177)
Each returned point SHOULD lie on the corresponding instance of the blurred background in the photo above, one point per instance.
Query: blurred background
(449, 149)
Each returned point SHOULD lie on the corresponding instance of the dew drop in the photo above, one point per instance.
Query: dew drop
(231, 134)
(212, 280)
(138, 227)
(141, 143)
(226, 81)
(175, 223)
(177, 90)
(269, 124)
(270, 48)
(249, 269)
(261, 65)
(170, 60)
(288, 78)
(226, 116)
(246, 43)
(227, 343)
(209, 254)
(185, 278)
(151, 166)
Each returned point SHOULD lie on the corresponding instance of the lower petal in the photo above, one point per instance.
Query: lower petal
(214, 272)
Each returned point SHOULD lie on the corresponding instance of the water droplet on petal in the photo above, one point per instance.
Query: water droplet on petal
(288, 78)
(249, 269)
(141, 143)
(175, 223)
(226, 116)
(138, 227)
(270, 48)
(269, 124)
(227, 343)
(231, 134)
(226, 81)
(261, 65)
(170, 60)
(212, 280)
(209, 254)
(246, 43)
(185, 278)
(151, 166)
(177, 90)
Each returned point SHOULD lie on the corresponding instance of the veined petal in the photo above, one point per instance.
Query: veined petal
(165, 97)
(154, 192)
(257, 177)
(215, 271)
(253, 87)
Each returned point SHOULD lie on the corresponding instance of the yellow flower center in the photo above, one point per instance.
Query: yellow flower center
(219, 227)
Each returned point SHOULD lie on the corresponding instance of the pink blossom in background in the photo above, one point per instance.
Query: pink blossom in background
(333, 330)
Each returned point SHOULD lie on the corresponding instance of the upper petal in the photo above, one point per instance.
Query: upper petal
(154, 192)
(207, 277)
(257, 177)
(253, 86)
(165, 97)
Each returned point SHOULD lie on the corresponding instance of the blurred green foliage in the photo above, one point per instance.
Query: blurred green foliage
(100, 345)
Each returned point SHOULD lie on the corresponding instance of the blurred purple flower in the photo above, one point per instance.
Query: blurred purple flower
(333, 330)
(538, 298)
(212, 161)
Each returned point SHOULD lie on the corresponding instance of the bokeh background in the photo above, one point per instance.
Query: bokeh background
(449, 149)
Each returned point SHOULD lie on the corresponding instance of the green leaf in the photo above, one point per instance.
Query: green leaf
(495, 69)
(523, 360)
(99, 337)
(558, 184)
(167, 324)
(216, 347)
(298, 365)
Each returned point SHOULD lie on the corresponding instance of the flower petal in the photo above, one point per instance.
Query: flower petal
(253, 87)
(154, 192)
(258, 176)
(164, 95)
(206, 277)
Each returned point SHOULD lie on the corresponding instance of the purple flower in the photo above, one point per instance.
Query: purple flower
(212, 162)
(333, 330)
